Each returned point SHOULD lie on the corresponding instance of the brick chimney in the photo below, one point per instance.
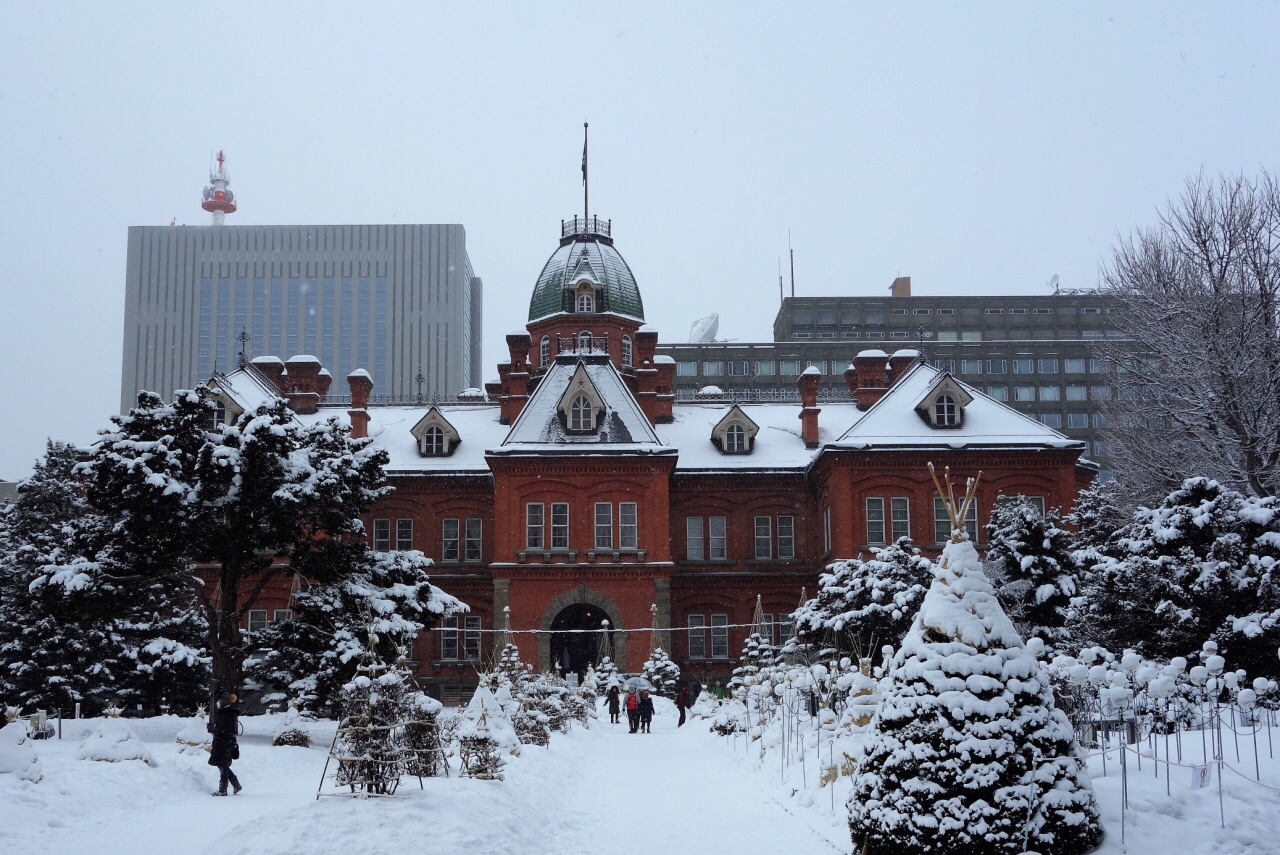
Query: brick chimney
(273, 369)
(515, 376)
(647, 373)
(808, 386)
(900, 362)
(869, 370)
(901, 287)
(303, 386)
(361, 387)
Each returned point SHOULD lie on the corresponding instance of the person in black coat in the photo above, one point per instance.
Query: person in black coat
(226, 717)
(615, 704)
(646, 712)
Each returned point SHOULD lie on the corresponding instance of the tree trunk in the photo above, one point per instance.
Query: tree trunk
(224, 632)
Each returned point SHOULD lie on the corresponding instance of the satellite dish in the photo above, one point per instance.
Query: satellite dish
(1053, 283)
(207, 193)
(705, 329)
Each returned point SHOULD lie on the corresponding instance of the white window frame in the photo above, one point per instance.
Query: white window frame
(473, 543)
(581, 414)
(694, 545)
(586, 303)
(718, 538)
(257, 620)
(899, 518)
(451, 541)
(559, 525)
(735, 439)
(433, 442)
(535, 520)
(626, 351)
(404, 534)
(281, 614)
(875, 520)
(544, 350)
(762, 528)
(382, 535)
(786, 537)
(628, 525)
(941, 521)
(603, 518)
(719, 636)
(697, 635)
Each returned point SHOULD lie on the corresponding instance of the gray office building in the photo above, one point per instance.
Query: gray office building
(395, 300)
(1037, 353)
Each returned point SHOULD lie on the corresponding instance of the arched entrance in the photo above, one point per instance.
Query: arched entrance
(576, 637)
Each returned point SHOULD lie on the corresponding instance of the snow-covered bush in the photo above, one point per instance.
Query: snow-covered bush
(369, 749)
(194, 736)
(18, 753)
(967, 746)
(1031, 566)
(662, 672)
(113, 741)
(607, 673)
(424, 750)
(291, 732)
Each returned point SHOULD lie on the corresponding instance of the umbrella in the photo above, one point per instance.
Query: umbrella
(636, 684)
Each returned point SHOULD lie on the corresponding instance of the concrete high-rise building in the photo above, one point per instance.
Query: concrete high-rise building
(400, 301)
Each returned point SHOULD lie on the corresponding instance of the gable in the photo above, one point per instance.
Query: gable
(735, 433)
(436, 437)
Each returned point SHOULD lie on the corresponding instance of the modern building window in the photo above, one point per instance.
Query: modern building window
(717, 538)
(1077, 393)
(257, 620)
(764, 367)
(945, 364)
(1073, 366)
(626, 351)
(694, 549)
(1024, 393)
(821, 365)
(475, 539)
(997, 366)
(945, 411)
(971, 366)
(802, 335)
(763, 537)
(1090, 311)
(1100, 393)
(897, 311)
(1051, 393)
(686, 369)
(535, 525)
(1024, 366)
(1099, 366)
(948, 335)
(738, 368)
(786, 537)
(720, 636)
(789, 368)
(875, 521)
(946, 311)
(899, 334)
(584, 302)
(559, 525)
(998, 393)
(971, 335)
(382, 535)
(628, 525)
(544, 350)
(1044, 311)
(1077, 420)
(712, 368)
(900, 518)
(404, 535)
(451, 540)
(604, 525)
(922, 311)
(1100, 421)
(1017, 311)
(581, 414)
(1053, 420)
(942, 522)
(993, 311)
(697, 636)
(1047, 366)
(735, 439)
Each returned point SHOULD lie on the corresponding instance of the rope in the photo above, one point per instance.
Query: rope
(611, 629)
(1247, 778)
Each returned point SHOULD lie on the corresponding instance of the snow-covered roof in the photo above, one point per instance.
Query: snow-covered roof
(390, 429)
(248, 388)
(778, 444)
(892, 422)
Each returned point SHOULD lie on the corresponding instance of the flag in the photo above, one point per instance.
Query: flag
(584, 161)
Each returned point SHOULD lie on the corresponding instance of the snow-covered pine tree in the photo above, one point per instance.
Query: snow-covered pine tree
(863, 605)
(606, 672)
(370, 748)
(1098, 517)
(662, 672)
(756, 653)
(424, 750)
(510, 669)
(315, 652)
(967, 753)
(1031, 566)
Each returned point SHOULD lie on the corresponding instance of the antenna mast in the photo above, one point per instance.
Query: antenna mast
(586, 209)
(792, 253)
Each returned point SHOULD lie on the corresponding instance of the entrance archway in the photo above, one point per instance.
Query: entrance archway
(576, 637)
(605, 608)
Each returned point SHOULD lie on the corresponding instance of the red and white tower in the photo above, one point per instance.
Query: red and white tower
(217, 198)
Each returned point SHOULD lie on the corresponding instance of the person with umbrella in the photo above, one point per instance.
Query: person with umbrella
(633, 711)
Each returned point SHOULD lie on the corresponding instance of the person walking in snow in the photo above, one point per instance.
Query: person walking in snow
(611, 698)
(646, 711)
(633, 711)
(682, 701)
(226, 717)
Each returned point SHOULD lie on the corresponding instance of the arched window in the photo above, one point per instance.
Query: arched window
(585, 303)
(945, 412)
(735, 439)
(626, 351)
(584, 340)
(544, 351)
(433, 444)
(581, 416)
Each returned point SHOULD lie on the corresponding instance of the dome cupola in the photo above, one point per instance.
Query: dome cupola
(586, 275)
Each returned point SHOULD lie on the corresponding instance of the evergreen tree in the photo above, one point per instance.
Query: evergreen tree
(315, 652)
(606, 672)
(864, 605)
(253, 500)
(756, 654)
(967, 752)
(370, 748)
(1098, 516)
(1030, 563)
(662, 672)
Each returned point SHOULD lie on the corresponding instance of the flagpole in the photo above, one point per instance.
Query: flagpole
(585, 206)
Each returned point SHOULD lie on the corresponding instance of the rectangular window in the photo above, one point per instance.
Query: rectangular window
(897, 311)
(404, 535)
(686, 369)
(1099, 366)
(789, 367)
(697, 636)
(717, 536)
(738, 368)
(971, 366)
(471, 638)
(1024, 366)
(712, 368)
(921, 311)
(1090, 311)
(948, 335)
(945, 364)
(820, 365)
(449, 638)
(559, 525)
(475, 531)
(1073, 366)
(1044, 311)
(899, 334)
(281, 614)
(1050, 393)
(1077, 393)
(1017, 311)
(534, 526)
(628, 526)
(719, 636)
(1038, 501)
(1077, 420)
(693, 544)
(1053, 420)
(382, 535)
(875, 520)
(971, 335)
(764, 368)
(900, 518)
(993, 311)
(850, 335)
(1024, 393)
(1100, 393)
(764, 537)
(946, 311)
(786, 537)
(451, 539)
(604, 525)
(826, 531)
(1048, 366)
(998, 393)
(257, 620)
(1100, 421)
(786, 629)
(997, 366)
(942, 522)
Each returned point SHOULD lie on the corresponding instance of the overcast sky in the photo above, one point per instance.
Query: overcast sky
(978, 148)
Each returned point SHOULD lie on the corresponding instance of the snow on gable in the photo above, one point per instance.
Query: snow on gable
(435, 435)
(735, 433)
(391, 429)
(244, 391)
(777, 445)
(944, 404)
(893, 422)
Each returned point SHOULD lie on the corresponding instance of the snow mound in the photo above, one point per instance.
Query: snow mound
(113, 741)
(194, 737)
(18, 753)
(484, 716)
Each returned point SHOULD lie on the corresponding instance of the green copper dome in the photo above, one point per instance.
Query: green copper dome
(586, 251)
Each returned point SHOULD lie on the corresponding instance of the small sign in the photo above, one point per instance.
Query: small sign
(1201, 776)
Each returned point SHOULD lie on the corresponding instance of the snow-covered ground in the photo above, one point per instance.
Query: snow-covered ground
(593, 790)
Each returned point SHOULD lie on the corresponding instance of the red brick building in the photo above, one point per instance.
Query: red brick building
(575, 489)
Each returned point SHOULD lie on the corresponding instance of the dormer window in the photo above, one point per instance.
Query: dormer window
(581, 406)
(945, 412)
(435, 436)
(735, 433)
(581, 414)
(586, 303)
